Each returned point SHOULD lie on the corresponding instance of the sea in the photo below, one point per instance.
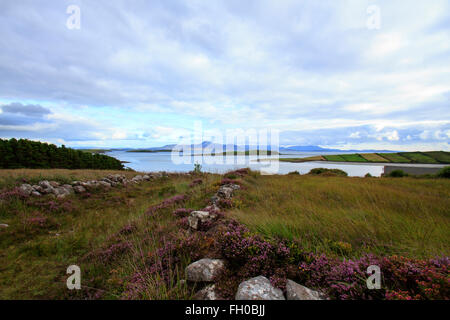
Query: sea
(166, 161)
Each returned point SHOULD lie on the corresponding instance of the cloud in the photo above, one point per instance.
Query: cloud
(294, 66)
(32, 110)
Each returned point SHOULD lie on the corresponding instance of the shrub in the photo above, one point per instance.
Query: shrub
(444, 172)
(195, 182)
(294, 172)
(397, 174)
(368, 175)
(328, 172)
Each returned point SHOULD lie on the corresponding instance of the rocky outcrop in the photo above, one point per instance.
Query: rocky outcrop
(112, 180)
(258, 288)
(295, 291)
(204, 270)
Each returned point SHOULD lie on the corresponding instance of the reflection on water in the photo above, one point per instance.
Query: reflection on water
(147, 162)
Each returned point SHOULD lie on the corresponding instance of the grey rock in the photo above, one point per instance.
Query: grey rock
(26, 189)
(258, 288)
(45, 184)
(295, 291)
(104, 184)
(204, 270)
(36, 194)
(225, 192)
(137, 178)
(3, 225)
(61, 192)
(200, 216)
(146, 177)
(79, 189)
(207, 293)
(54, 184)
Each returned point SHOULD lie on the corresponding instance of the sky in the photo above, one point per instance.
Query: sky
(343, 74)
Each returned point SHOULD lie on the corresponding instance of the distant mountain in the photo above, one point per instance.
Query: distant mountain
(217, 147)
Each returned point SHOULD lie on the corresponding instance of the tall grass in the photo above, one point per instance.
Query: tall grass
(351, 216)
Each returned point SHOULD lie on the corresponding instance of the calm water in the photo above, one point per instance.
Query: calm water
(162, 161)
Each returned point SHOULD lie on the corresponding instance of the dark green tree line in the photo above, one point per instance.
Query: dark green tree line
(25, 153)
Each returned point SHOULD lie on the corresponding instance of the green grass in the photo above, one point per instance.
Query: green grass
(418, 157)
(439, 156)
(353, 158)
(394, 157)
(384, 216)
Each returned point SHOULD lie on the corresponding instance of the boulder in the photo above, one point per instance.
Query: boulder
(200, 216)
(61, 192)
(207, 293)
(68, 187)
(54, 184)
(45, 184)
(258, 288)
(137, 178)
(295, 291)
(204, 270)
(26, 189)
(146, 177)
(104, 184)
(36, 194)
(79, 189)
(3, 226)
(225, 192)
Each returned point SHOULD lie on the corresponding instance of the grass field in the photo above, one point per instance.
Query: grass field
(353, 158)
(394, 157)
(386, 216)
(418, 157)
(440, 156)
(373, 157)
(121, 247)
(333, 157)
(432, 157)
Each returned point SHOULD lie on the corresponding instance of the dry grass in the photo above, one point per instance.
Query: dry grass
(373, 157)
(380, 215)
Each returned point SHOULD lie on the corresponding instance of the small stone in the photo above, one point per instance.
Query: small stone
(54, 184)
(104, 184)
(207, 293)
(225, 192)
(36, 194)
(45, 184)
(295, 291)
(258, 288)
(199, 216)
(79, 189)
(4, 225)
(204, 270)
